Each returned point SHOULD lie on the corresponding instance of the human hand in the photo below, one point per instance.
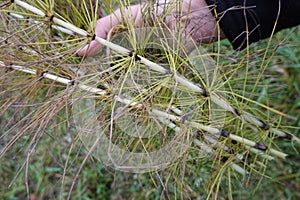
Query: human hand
(200, 23)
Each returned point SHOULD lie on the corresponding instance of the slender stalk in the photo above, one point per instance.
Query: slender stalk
(56, 79)
(256, 151)
(239, 139)
(30, 8)
(56, 27)
(238, 156)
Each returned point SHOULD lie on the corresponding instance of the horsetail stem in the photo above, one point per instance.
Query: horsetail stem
(54, 26)
(55, 78)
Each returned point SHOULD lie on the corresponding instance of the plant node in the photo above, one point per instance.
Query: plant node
(224, 159)
(265, 126)
(260, 147)
(205, 93)
(236, 112)
(40, 73)
(72, 82)
(134, 55)
(288, 136)
(224, 134)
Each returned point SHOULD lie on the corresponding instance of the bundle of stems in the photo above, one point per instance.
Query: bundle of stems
(174, 117)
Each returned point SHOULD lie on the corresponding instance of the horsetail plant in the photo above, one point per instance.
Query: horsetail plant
(214, 98)
(127, 106)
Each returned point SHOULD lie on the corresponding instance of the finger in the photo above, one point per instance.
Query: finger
(103, 26)
(90, 49)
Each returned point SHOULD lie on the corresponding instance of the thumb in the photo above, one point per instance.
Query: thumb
(103, 26)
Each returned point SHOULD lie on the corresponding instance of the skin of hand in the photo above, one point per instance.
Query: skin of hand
(201, 24)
